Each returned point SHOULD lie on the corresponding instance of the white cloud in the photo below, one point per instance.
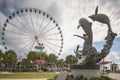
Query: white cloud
(114, 57)
(73, 11)
(2, 18)
(68, 12)
(1, 24)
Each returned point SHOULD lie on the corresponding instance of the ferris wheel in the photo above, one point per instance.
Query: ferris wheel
(31, 28)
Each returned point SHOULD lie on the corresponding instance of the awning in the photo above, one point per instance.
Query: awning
(40, 61)
(104, 62)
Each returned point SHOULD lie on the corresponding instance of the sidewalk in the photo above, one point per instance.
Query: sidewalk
(114, 75)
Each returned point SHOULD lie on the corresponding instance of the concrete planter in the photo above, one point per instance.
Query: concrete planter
(85, 70)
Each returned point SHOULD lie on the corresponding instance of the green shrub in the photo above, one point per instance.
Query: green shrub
(93, 78)
(54, 78)
(81, 77)
(106, 78)
(70, 77)
(45, 69)
(28, 70)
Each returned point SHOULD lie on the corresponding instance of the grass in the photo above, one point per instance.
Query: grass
(28, 75)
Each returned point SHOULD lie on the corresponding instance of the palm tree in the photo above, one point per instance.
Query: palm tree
(52, 59)
(31, 58)
(25, 63)
(70, 59)
(43, 56)
(60, 64)
(10, 59)
(1, 57)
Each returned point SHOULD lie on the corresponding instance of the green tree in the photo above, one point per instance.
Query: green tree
(52, 58)
(10, 59)
(32, 56)
(25, 63)
(43, 56)
(31, 59)
(70, 59)
(60, 62)
(1, 57)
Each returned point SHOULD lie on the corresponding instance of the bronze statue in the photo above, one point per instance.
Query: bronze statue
(89, 54)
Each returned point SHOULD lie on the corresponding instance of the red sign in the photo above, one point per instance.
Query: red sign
(40, 61)
(104, 62)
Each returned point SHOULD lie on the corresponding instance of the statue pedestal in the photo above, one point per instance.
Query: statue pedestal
(85, 70)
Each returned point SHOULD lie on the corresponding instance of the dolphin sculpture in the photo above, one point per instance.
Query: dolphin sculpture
(101, 18)
(86, 26)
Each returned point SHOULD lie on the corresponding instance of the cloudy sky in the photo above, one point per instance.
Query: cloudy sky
(67, 13)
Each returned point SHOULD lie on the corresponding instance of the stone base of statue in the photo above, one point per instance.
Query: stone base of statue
(85, 70)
